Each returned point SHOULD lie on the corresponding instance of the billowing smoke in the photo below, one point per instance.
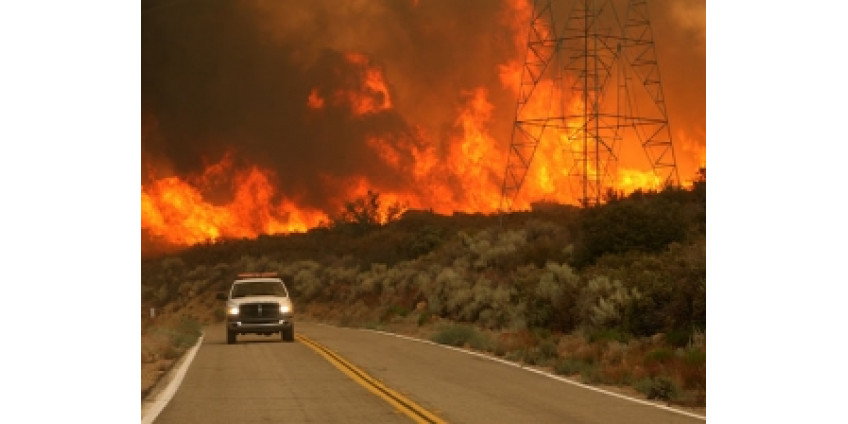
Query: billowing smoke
(222, 75)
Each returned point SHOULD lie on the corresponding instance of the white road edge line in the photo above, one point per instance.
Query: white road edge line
(160, 400)
(533, 370)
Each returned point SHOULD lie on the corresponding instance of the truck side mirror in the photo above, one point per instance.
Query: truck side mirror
(221, 296)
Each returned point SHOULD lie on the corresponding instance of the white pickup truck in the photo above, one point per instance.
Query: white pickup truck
(259, 303)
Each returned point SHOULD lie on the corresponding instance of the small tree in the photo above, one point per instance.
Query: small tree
(364, 213)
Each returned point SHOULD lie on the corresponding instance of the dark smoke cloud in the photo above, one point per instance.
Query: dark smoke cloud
(221, 75)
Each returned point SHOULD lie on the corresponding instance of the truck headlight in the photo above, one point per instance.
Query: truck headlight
(285, 309)
(233, 310)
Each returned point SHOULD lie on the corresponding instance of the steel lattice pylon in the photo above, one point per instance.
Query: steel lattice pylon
(586, 85)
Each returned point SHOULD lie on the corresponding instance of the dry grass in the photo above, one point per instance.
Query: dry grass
(169, 334)
(512, 341)
(154, 364)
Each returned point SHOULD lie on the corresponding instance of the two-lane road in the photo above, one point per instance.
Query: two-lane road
(262, 380)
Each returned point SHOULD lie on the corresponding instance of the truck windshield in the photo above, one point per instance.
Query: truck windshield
(258, 288)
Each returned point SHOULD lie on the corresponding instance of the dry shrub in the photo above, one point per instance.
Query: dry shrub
(615, 374)
(171, 352)
(514, 341)
(658, 361)
(353, 315)
(693, 369)
(590, 353)
(660, 356)
(569, 343)
(568, 366)
(638, 373)
(660, 388)
(614, 353)
(544, 353)
(462, 335)
(693, 397)
(591, 374)
(693, 377)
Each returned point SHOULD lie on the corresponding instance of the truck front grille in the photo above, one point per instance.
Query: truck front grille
(259, 310)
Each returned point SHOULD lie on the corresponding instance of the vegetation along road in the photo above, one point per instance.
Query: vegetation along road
(334, 374)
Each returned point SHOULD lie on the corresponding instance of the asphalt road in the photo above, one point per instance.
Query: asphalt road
(263, 380)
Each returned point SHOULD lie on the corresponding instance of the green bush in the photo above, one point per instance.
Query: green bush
(569, 366)
(462, 335)
(392, 311)
(591, 374)
(514, 356)
(660, 355)
(548, 349)
(695, 357)
(643, 222)
(693, 371)
(185, 334)
(678, 337)
(661, 388)
(424, 318)
(607, 334)
(669, 288)
(427, 239)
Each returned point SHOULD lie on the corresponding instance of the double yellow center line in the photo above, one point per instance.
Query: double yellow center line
(411, 409)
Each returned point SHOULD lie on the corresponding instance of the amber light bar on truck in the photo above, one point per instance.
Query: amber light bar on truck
(257, 274)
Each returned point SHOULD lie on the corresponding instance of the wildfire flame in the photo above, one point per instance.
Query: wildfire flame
(177, 212)
(371, 97)
(462, 170)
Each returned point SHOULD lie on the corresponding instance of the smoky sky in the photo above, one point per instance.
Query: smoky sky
(224, 75)
(234, 76)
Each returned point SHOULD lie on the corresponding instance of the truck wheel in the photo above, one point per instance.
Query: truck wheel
(288, 334)
(231, 337)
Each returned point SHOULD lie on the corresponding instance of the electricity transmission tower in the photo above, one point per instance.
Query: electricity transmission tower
(590, 85)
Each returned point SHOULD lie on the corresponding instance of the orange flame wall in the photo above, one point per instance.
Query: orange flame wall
(177, 212)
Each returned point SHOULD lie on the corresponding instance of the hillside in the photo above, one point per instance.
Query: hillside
(614, 294)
